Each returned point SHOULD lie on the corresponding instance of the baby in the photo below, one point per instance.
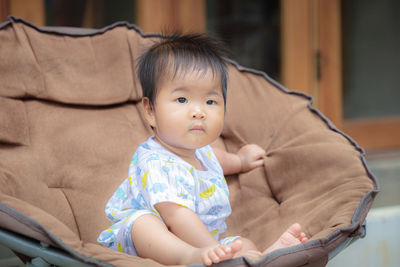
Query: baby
(173, 206)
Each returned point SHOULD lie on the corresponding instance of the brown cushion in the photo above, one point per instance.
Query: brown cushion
(70, 121)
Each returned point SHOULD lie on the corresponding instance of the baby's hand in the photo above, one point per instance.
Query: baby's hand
(251, 156)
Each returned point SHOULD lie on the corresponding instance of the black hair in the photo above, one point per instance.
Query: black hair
(177, 54)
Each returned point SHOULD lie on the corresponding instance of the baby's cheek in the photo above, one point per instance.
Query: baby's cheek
(217, 125)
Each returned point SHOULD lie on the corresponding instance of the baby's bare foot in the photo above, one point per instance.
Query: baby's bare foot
(215, 254)
(291, 237)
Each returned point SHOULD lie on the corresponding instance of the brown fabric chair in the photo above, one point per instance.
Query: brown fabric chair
(70, 121)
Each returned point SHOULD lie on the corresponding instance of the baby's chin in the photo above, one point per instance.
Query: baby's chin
(201, 142)
(171, 144)
(194, 145)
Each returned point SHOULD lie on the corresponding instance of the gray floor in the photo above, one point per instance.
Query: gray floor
(386, 167)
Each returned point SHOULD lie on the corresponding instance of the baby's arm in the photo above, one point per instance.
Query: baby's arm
(247, 158)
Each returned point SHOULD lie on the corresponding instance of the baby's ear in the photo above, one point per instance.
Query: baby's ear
(148, 112)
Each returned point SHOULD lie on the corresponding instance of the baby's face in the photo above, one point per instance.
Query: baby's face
(188, 112)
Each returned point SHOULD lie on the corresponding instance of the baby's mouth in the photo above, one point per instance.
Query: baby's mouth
(197, 128)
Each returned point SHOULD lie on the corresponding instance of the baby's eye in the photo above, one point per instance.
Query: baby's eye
(181, 100)
(211, 102)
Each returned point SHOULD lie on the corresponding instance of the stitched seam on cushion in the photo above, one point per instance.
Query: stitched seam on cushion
(68, 31)
(133, 76)
(28, 124)
(42, 78)
(72, 211)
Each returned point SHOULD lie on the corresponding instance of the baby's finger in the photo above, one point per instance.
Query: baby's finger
(258, 163)
(258, 157)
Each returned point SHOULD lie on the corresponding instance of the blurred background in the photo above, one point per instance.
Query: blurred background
(344, 53)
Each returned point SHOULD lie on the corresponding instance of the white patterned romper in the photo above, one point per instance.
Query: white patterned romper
(157, 175)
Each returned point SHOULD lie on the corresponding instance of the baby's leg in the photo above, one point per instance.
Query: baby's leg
(291, 237)
(153, 240)
(248, 250)
(217, 253)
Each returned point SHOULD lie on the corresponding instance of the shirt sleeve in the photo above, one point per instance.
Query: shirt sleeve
(208, 156)
(117, 207)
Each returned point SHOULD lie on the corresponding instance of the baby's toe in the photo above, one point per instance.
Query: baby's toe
(219, 251)
(213, 256)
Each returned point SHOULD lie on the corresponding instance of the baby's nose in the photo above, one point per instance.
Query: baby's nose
(198, 113)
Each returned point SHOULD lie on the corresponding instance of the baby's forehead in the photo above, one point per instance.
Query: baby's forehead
(192, 81)
(184, 72)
